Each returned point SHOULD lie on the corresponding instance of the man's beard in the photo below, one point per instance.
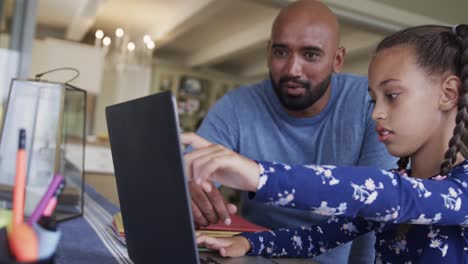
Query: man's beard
(301, 102)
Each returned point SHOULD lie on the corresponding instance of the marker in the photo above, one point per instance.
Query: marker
(20, 180)
(57, 181)
(50, 208)
(23, 243)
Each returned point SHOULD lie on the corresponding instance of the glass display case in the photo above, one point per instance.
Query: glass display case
(54, 117)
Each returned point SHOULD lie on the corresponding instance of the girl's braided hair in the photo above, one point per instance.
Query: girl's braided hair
(439, 50)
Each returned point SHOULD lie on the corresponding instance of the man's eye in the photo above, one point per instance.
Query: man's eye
(311, 55)
(279, 52)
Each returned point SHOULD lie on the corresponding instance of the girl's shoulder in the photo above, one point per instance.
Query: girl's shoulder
(459, 171)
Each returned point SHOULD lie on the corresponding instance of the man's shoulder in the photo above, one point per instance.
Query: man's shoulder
(349, 85)
(249, 90)
(246, 98)
(351, 80)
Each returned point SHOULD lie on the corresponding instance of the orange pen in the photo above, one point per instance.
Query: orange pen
(20, 180)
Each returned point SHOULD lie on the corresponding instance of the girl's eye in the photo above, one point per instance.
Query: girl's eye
(392, 96)
(372, 101)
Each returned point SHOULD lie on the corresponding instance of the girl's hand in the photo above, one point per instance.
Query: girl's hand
(212, 162)
(236, 246)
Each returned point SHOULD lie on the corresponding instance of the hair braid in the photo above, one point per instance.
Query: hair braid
(403, 163)
(456, 142)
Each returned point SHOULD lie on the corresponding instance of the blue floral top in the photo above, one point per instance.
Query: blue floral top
(362, 199)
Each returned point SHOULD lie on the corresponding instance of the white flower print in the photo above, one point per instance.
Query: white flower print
(349, 228)
(366, 193)
(463, 183)
(269, 250)
(319, 229)
(287, 167)
(283, 253)
(465, 167)
(285, 198)
(370, 184)
(419, 186)
(262, 247)
(390, 214)
(451, 200)
(426, 221)
(436, 243)
(391, 175)
(434, 233)
(311, 245)
(325, 172)
(400, 246)
(263, 170)
(325, 210)
(297, 242)
(332, 219)
(262, 181)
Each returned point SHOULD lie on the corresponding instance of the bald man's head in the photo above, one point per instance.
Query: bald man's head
(309, 12)
(303, 53)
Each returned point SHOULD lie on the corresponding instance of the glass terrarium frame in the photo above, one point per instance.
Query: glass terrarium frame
(48, 111)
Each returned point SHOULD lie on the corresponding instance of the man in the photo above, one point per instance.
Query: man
(305, 114)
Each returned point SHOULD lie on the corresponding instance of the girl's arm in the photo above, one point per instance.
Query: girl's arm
(365, 192)
(308, 241)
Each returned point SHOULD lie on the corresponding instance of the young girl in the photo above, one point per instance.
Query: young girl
(418, 80)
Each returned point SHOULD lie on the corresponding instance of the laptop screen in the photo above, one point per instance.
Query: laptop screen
(151, 185)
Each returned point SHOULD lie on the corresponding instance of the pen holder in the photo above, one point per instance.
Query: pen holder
(53, 116)
(47, 242)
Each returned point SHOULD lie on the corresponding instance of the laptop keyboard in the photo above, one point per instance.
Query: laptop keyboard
(208, 260)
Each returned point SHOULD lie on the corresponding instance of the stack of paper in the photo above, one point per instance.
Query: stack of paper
(237, 226)
(118, 228)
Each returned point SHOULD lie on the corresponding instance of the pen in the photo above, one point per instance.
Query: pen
(20, 180)
(48, 195)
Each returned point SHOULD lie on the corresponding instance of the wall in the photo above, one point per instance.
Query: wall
(51, 53)
(169, 76)
(118, 86)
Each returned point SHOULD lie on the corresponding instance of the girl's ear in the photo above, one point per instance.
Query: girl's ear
(449, 93)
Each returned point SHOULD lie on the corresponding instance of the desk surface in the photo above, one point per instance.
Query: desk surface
(256, 260)
(90, 239)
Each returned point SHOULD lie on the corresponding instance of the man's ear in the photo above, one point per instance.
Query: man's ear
(339, 59)
(449, 92)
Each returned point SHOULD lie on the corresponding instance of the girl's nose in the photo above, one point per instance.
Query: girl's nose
(378, 113)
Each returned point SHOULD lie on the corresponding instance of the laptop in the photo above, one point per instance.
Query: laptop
(151, 184)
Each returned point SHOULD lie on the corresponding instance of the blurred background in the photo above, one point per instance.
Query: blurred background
(198, 49)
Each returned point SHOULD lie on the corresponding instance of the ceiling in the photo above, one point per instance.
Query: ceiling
(231, 35)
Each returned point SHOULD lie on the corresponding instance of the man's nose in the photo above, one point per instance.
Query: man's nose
(294, 66)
